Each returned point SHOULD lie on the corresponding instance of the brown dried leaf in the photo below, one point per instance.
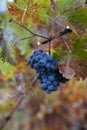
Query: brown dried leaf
(79, 67)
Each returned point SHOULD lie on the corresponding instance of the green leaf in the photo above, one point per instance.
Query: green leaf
(4, 20)
(6, 68)
(80, 50)
(43, 2)
(24, 48)
(63, 4)
(21, 33)
(59, 53)
(1, 23)
(80, 16)
(21, 3)
(43, 15)
(67, 6)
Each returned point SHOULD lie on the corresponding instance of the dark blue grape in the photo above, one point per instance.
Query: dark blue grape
(44, 80)
(29, 61)
(59, 76)
(55, 89)
(35, 66)
(50, 58)
(48, 82)
(44, 54)
(51, 78)
(38, 76)
(51, 87)
(45, 59)
(55, 83)
(45, 66)
(63, 80)
(52, 67)
(47, 91)
(36, 52)
(42, 63)
(44, 86)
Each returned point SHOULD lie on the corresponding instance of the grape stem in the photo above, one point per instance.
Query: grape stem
(49, 48)
(58, 34)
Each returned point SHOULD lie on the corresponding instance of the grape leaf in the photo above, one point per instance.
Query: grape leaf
(23, 5)
(80, 16)
(8, 53)
(23, 45)
(6, 68)
(1, 23)
(79, 49)
(66, 6)
(79, 66)
(58, 53)
(63, 4)
(35, 11)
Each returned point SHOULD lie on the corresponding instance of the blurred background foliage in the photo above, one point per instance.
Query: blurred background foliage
(24, 26)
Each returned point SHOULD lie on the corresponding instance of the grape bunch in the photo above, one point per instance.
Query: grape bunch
(45, 66)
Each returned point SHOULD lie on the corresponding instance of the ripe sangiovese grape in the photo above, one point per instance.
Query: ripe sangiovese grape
(45, 66)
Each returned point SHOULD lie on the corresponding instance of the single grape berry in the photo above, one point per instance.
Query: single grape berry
(50, 58)
(44, 86)
(51, 78)
(51, 87)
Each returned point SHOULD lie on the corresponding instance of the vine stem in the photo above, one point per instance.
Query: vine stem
(48, 39)
(25, 38)
(34, 34)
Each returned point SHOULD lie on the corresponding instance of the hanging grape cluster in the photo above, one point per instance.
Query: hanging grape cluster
(45, 66)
